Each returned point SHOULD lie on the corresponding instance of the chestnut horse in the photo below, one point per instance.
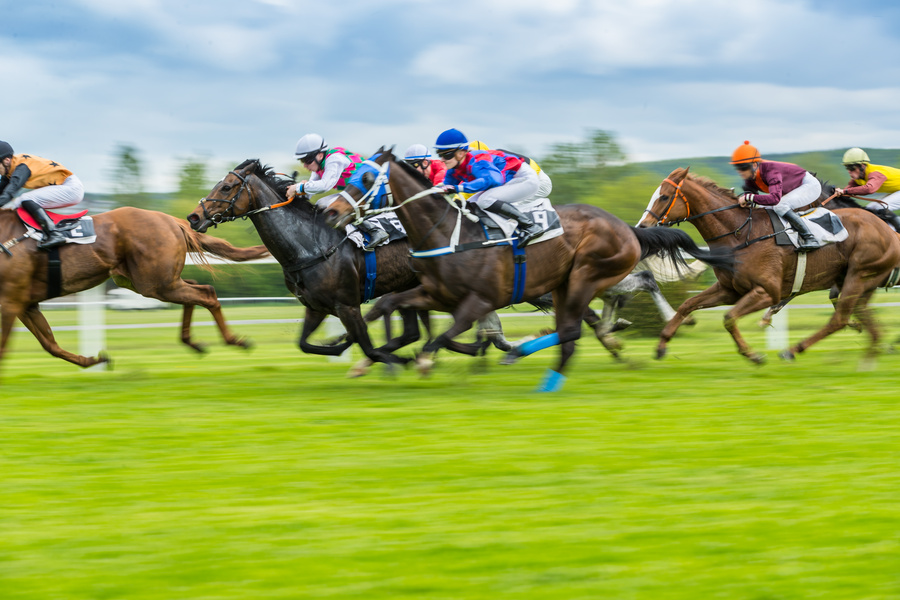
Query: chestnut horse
(596, 251)
(142, 250)
(765, 272)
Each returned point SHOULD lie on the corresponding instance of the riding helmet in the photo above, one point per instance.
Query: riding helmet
(310, 144)
(5, 149)
(745, 154)
(855, 156)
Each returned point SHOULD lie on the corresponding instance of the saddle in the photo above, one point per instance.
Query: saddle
(387, 221)
(541, 212)
(823, 224)
(77, 227)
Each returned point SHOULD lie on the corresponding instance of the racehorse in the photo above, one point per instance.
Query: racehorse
(596, 251)
(328, 275)
(141, 250)
(765, 273)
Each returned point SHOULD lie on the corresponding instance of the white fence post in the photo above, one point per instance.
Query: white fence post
(92, 320)
(777, 334)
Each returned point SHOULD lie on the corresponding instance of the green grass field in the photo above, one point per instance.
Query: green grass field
(268, 474)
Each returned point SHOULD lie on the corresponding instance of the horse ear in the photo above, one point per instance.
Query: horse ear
(390, 151)
(686, 171)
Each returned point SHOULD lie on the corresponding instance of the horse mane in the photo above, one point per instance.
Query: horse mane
(414, 173)
(277, 181)
(712, 186)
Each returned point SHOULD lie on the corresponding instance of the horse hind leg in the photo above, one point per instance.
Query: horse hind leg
(37, 324)
(189, 293)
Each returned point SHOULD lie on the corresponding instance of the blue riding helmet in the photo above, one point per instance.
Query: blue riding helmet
(450, 141)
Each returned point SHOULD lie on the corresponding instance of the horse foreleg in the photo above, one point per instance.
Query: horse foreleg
(186, 316)
(471, 308)
(189, 293)
(352, 320)
(715, 295)
(410, 333)
(37, 324)
(311, 321)
(756, 299)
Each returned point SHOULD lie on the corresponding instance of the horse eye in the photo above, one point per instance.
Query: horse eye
(227, 187)
(368, 179)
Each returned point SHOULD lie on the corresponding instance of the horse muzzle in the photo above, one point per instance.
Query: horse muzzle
(198, 223)
(334, 219)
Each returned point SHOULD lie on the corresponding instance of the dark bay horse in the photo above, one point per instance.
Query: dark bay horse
(765, 271)
(596, 251)
(141, 250)
(322, 268)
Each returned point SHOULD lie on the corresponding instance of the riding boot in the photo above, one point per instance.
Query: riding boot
(894, 220)
(529, 229)
(376, 234)
(52, 237)
(807, 240)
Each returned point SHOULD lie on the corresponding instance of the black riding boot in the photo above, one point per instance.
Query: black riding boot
(529, 228)
(894, 220)
(376, 234)
(52, 237)
(807, 240)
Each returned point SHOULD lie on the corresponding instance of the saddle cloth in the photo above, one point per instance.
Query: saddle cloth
(823, 224)
(77, 227)
(539, 209)
(387, 221)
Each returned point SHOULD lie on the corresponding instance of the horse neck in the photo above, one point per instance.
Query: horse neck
(713, 225)
(289, 234)
(420, 216)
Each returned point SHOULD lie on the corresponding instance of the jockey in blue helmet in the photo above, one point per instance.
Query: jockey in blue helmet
(497, 179)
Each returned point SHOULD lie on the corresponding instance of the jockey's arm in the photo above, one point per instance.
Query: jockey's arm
(19, 178)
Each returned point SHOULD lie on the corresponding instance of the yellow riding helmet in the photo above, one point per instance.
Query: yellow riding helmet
(745, 154)
(476, 145)
(855, 156)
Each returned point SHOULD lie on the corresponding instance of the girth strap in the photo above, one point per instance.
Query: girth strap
(54, 273)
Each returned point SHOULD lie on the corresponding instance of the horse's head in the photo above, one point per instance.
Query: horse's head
(367, 190)
(668, 204)
(236, 195)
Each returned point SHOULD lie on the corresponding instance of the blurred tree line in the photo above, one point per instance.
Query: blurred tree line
(593, 171)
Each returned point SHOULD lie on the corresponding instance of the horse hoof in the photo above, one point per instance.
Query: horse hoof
(661, 353)
(552, 382)
(424, 365)
(244, 343)
(786, 355)
(689, 321)
(511, 357)
(360, 369)
(757, 359)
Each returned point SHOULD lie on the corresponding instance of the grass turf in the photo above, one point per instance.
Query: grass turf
(269, 475)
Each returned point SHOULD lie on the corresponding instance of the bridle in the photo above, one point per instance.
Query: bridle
(679, 193)
(228, 214)
(362, 207)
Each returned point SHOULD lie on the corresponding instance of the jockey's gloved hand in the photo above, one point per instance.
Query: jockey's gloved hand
(746, 200)
(449, 189)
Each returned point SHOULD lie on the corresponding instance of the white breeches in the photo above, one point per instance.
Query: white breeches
(545, 186)
(522, 186)
(68, 193)
(808, 192)
(892, 201)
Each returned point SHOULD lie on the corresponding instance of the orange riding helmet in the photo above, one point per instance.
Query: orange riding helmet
(745, 154)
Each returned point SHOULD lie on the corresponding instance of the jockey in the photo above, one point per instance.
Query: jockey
(866, 178)
(784, 186)
(498, 179)
(418, 157)
(330, 170)
(51, 184)
(545, 184)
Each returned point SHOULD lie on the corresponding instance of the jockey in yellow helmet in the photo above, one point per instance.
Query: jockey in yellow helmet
(866, 178)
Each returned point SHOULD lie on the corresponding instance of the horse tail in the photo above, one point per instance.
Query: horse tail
(672, 243)
(199, 243)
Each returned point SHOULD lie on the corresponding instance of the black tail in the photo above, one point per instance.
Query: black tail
(670, 243)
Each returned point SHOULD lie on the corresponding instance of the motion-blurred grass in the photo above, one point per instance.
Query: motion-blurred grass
(268, 474)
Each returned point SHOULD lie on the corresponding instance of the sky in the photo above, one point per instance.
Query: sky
(225, 80)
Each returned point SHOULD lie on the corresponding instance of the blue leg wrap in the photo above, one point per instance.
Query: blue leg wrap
(545, 341)
(552, 382)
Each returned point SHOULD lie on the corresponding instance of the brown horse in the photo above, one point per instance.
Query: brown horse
(141, 250)
(765, 272)
(596, 251)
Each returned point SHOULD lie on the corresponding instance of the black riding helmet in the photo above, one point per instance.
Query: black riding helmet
(5, 150)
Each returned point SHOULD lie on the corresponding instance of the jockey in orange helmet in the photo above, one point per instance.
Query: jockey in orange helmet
(783, 186)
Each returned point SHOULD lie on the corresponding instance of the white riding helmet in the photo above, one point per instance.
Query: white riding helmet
(416, 152)
(311, 143)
